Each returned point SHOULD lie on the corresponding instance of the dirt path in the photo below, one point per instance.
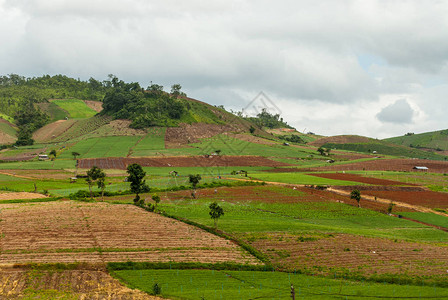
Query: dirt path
(14, 175)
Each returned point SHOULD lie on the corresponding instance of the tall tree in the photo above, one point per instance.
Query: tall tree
(93, 175)
(136, 178)
(75, 154)
(216, 212)
(194, 181)
(356, 195)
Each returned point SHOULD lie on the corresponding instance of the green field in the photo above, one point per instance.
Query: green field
(151, 143)
(223, 284)
(429, 218)
(302, 217)
(111, 146)
(433, 140)
(299, 178)
(77, 109)
(8, 129)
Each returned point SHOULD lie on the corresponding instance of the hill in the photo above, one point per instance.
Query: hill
(369, 145)
(435, 140)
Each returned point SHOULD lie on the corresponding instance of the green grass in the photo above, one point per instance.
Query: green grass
(212, 284)
(111, 146)
(299, 178)
(151, 143)
(8, 129)
(433, 140)
(429, 218)
(302, 217)
(77, 109)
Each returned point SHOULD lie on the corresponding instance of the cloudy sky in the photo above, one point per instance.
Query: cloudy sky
(374, 68)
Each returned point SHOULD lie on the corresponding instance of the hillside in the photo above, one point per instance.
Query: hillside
(435, 140)
(369, 145)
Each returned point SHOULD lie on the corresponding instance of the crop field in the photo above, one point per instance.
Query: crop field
(186, 161)
(87, 282)
(77, 109)
(402, 165)
(213, 284)
(52, 130)
(82, 127)
(151, 143)
(358, 178)
(99, 232)
(429, 218)
(111, 146)
(300, 178)
(318, 234)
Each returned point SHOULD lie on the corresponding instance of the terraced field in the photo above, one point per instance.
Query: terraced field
(99, 232)
(76, 109)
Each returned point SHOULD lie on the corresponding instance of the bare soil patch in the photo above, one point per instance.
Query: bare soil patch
(94, 283)
(20, 195)
(180, 161)
(95, 105)
(366, 255)
(38, 174)
(118, 128)
(178, 137)
(70, 231)
(358, 178)
(52, 130)
(404, 165)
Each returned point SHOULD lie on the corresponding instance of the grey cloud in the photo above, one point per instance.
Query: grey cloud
(398, 112)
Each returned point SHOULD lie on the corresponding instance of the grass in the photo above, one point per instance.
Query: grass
(299, 178)
(77, 109)
(429, 218)
(153, 141)
(302, 217)
(111, 146)
(434, 140)
(8, 129)
(213, 284)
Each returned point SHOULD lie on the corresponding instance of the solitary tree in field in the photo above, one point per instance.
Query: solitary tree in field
(321, 150)
(194, 181)
(356, 194)
(136, 178)
(156, 199)
(75, 154)
(216, 212)
(53, 152)
(93, 175)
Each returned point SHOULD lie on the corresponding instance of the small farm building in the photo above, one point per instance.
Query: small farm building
(420, 168)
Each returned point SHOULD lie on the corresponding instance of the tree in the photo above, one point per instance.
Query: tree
(194, 180)
(53, 152)
(216, 212)
(136, 177)
(93, 175)
(156, 199)
(251, 129)
(356, 195)
(176, 90)
(75, 154)
(101, 183)
(321, 150)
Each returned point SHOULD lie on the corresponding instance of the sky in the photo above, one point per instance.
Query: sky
(372, 68)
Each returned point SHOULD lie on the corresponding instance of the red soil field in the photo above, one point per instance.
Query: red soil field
(358, 178)
(404, 165)
(70, 231)
(410, 195)
(179, 161)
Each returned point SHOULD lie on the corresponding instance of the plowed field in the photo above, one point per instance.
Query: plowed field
(100, 232)
(356, 253)
(17, 283)
(183, 161)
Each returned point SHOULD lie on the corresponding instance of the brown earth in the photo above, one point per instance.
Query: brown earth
(367, 255)
(87, 282)
(403, 165)
(6, 155)
(340, 139)
(39, 174)
(95, 105)
(117, 128)
(69, 231)
(358, 178)
(179, 161)
(19, 195)
(410, 195)
(178, 137)
(52, 130)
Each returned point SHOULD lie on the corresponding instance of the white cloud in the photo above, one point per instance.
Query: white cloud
(303, 53)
